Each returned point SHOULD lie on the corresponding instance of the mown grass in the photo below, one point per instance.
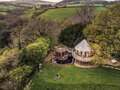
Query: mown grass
(61, 14)
(73, 78)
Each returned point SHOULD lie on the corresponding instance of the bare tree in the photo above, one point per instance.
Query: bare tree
(85, 13)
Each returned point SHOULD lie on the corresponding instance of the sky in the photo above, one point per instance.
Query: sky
(5, 0)
(50, 0)
(61, 0)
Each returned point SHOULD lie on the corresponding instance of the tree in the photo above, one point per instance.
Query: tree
(34, 53)
(9, 59)
(85, 14)
(16, 32)
(25, 34)
(71, 35)
(4, 35)
(105, 31)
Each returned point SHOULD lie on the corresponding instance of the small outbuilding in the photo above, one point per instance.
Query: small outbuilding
(83, 54)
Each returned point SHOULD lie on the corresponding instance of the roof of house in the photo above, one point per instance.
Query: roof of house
(83, 46)
(60, 50)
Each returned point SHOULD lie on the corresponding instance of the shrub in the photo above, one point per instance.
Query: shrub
(19, 76)
(19, 73)
(9, 58)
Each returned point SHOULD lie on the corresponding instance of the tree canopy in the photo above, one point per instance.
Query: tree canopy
(105, 30)
(71, 35)
(34, 53)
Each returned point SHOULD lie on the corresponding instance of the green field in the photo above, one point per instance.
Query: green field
(61, 14)
(4, 9)
(73, 78)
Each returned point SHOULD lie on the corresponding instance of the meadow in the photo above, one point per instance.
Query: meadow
(5, 9)
(61, 14)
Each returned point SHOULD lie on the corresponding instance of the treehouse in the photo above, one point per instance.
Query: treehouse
(62, 55)
(83, 54)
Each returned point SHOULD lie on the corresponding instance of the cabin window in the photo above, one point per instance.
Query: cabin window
(85, 54)
(58, 54)
(77, 52)
(81, 53)
(64, 53)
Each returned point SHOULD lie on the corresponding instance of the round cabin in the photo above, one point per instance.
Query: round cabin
(83, 54)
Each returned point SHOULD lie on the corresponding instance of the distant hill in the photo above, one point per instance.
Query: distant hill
(33, 1)
(67, 2)
(27, 3)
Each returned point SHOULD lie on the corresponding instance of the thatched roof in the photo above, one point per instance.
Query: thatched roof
(83, 46)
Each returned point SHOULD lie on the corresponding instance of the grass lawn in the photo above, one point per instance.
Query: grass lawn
(98, 9)
(74, 78)
(61, 14)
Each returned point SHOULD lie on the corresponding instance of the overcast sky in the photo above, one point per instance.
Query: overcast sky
(5, 0)
(50, 0)
(61, 0)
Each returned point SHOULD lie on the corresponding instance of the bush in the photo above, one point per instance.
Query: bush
(8, 61)
(34, 53)
(19, 73)
(9, 58)
(19, 76)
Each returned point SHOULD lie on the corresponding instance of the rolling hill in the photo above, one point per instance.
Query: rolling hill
(67, 2)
